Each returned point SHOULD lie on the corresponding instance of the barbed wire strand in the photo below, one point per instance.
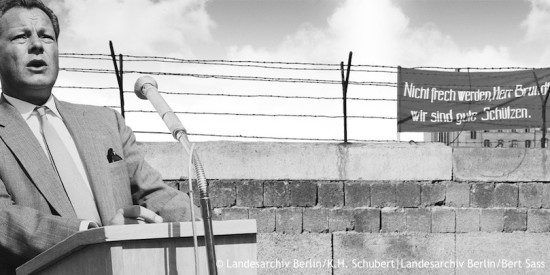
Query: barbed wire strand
(262, 115)
(221, 61)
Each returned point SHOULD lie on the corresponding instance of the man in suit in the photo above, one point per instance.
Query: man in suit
(37, 208)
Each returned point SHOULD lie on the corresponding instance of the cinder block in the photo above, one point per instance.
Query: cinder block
(482, 195)
(222, 193)
(492, 220)
(367, 220)
(303, 193)
(315, 220)
(383, 194)
(357, 194)
(393, 220)
(234, 213)
(331, 194)
(458, 194)
(530, 195)
(515, 220)
(432, 194)
(443, 220)
(265, 219)
(184, 187)
(276, 194)
(538, 220)
(250, 193)
(419, 219)
(289, 220)
(407, 194)
(505, 195)
(546, 195)
(340, 220)
(467, 220)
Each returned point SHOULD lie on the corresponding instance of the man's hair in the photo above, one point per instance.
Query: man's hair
(6, 5)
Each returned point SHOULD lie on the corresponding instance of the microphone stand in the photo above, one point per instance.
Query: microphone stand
(146, 88)
(181, 136)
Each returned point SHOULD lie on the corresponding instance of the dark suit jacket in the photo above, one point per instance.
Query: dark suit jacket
(35, 212)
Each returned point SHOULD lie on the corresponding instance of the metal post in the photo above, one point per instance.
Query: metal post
(399, 105)
(544, 103)
(118, 76)
(345, 82)
(121, 86)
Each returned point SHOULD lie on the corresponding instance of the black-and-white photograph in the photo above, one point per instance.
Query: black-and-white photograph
(274, 137)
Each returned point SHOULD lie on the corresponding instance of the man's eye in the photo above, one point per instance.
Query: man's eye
(47, 38)
(19, 38)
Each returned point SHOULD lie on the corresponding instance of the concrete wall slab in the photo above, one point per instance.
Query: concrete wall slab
(393, 253)
(501, 164)
(503, 253)
(295, 161)
(295, 254)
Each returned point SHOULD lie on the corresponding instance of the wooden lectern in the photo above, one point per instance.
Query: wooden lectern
(163, 248)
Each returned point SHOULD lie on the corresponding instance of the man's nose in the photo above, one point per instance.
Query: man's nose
(36, 46)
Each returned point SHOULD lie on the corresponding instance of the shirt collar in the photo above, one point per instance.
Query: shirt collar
(26, 109)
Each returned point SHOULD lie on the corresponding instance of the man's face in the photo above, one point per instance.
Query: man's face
(28, 54)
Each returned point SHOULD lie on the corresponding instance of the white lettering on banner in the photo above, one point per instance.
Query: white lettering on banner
(439, 101)
(414, 92)
(418, 115)
(499, 94)
(466, 117)
(442, 117)
(531, 90)
(505, 113)
(443, 95)
(478, 95)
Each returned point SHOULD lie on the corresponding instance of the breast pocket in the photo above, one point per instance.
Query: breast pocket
(118, 175)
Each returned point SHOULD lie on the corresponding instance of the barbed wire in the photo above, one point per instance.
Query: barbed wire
(274, 96)
(533, 106)
(236, 77)
(224, 61)
(285, 80)
(263, 115)
(230, 95)
(280, 65)
(266, 137)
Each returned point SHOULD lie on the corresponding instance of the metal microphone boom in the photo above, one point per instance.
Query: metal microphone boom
(146, 88)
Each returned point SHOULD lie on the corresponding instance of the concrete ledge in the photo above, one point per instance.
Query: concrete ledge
(295, 161)
(499, 164)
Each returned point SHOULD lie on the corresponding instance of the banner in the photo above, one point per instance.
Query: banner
(439, 101)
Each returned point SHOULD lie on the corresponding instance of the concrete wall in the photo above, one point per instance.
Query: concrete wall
(319, 161)
(379, 208)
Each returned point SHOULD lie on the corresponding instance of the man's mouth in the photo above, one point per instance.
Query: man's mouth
(37, 65)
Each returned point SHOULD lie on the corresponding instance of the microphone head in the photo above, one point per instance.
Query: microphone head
(140, 84)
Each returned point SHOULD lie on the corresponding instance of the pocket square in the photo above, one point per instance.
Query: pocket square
(112, 156)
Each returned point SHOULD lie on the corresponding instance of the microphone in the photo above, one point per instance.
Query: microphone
(147, 88)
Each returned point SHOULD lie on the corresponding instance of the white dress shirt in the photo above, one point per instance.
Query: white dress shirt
(30, 116)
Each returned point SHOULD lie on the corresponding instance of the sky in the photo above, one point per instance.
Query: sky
(390, 33)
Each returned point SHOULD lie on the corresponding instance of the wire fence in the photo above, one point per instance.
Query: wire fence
(372, 102)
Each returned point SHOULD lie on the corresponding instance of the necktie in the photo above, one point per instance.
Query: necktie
(75, 186)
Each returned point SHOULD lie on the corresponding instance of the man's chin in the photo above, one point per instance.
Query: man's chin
(39, 82)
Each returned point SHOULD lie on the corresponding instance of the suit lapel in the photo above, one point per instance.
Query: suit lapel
(93, 155)
(17, 135)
